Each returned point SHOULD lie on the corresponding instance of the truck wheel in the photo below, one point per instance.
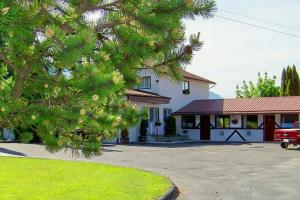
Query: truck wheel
(284, 145)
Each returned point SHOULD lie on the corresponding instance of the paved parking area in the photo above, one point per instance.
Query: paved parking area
(203, 171)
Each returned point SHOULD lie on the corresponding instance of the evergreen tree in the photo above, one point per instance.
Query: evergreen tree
(71, 62)
(290, 83)
(289, 73)
(296, 82)
(283, 89)
(265, 87)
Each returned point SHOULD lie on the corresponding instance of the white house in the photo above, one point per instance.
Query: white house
(163, 96)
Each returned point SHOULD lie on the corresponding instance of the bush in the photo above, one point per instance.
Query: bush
(26, 137)
(20, 131)
(170, 128)
(143, 127)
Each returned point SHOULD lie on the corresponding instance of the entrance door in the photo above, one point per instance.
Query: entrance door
(154, 116)
(205, 127)
(269, 127)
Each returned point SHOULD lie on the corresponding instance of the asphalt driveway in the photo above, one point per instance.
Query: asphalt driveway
(203, 171)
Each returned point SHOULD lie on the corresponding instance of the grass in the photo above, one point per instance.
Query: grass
(41, 179)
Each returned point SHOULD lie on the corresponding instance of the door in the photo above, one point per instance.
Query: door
(269, 127)
(154, 116)
(205, 127)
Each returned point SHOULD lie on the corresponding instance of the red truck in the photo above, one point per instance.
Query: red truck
(288, 136)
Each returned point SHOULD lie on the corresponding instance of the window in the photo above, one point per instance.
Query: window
(223, 121)
(287, 121)
(145, 83)
(251, 121)
(186, 87)
(154, 114)
(167, 113)
(188, 121)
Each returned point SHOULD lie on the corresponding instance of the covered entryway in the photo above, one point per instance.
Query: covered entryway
(205, 127)
(269, 127)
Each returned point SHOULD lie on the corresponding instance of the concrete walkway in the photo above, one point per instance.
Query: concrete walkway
(203, 171)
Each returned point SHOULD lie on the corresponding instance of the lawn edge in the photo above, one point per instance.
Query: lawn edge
(171, 194)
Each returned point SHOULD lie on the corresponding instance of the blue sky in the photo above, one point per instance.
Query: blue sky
(234, 52)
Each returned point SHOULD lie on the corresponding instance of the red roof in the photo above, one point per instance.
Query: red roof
(189, 75)
(262, 105)
(142, 96)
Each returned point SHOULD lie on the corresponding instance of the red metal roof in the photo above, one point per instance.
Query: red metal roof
(262, 105)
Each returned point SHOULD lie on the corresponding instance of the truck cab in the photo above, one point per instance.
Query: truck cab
(288, 136)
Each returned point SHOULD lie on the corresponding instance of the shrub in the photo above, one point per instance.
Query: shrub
(170, 128)
(26, 137)
(143, 127)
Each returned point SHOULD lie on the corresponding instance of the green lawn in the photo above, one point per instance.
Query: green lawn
(32, 179)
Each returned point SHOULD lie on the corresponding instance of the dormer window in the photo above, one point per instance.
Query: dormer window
(186, 87)
(145, 83)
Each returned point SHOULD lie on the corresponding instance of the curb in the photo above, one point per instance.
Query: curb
(172, 194)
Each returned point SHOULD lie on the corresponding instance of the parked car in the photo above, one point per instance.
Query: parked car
(288, 136)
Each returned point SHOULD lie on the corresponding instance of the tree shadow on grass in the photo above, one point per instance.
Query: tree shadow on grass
(11, 152)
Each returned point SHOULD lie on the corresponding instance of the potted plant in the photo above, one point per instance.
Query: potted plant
(124, 136)
(143, 130)
(158, 123)
(186, 91)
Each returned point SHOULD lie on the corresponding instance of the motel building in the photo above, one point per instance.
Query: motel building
(237, 120)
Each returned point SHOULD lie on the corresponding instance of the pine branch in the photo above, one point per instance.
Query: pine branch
(108, 25)
(166, 62)
(103, 6)
(6, 61)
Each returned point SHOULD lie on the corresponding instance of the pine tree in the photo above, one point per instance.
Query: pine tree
(296, 82)
(291, 85)
(289, 77)
(283, 90)
(71, 61)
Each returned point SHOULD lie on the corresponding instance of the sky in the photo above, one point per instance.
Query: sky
(234, 52)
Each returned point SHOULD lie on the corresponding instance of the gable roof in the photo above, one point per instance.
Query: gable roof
(262, 105)
(142, 96)
(192, 76)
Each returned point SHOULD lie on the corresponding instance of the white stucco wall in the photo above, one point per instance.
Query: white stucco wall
(250, 135)
(220, 135)
(170, 88)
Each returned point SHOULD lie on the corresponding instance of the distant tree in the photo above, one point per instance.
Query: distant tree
(296, 82)
(265, 87)
(283, 88)
(290, 83)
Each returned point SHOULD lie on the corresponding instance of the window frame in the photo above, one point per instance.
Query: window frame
(246, 122)
(184, 89)
(152, 113)
(222, 116)
(291, 123)
(167, 112)
(142, 86)
(194, 122)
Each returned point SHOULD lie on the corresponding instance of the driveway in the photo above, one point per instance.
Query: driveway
(203, 171)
